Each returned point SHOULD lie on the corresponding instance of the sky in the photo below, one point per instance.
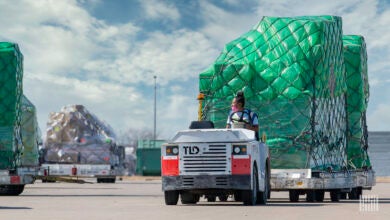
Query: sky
(105, 54)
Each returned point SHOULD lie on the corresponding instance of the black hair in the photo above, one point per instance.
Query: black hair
(240, 98)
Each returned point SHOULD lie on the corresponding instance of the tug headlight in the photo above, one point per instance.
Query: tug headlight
(172, 150)
(239, 149)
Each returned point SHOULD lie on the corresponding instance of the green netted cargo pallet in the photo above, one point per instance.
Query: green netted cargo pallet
(292, 73)
(355, 56)
(11, 73)
(30, 134)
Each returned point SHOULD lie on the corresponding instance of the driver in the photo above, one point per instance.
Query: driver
(240, 117)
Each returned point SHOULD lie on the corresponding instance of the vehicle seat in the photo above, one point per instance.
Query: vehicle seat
(201, 124)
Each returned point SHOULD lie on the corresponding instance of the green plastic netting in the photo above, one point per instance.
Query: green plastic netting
(11, 73)
(355, 56)
(292, 73)
(29, 133)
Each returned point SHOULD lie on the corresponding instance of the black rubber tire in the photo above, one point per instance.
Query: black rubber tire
(249, 197)
(171, 197)
(48, 180)
(335, 195)
(320, 194)
(238, 196)
(197, 198)
(211, 198)
(105, 180)
(355, 193)
(189, 198)
(263, 196)
(269, 192)
(223, 198)
(11, 190)
(293, 195)
(310, 196)
(269, 183)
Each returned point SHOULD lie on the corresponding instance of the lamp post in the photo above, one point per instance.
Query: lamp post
(155, 89)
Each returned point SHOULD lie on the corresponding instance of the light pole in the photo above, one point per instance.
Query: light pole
(155, 89)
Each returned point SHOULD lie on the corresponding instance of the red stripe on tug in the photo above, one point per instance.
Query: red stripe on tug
(170, 165)
(241, 164)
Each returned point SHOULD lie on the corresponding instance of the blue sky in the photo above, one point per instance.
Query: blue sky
(104, 54)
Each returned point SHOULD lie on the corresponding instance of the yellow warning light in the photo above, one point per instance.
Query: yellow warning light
(200, 96)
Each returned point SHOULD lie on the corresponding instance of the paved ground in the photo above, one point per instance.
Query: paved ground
(141, 198)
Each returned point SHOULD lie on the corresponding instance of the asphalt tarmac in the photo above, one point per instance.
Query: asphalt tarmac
(142, 198)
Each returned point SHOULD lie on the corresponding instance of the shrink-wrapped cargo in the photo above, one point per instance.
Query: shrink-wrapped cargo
(74, 135)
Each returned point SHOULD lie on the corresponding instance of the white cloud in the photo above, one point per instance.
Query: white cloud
(306, 7)
(374, 81)
(222, 26)
(155, 9)
(60, 37)
(379, 118)
(176, 114)
(175, 56)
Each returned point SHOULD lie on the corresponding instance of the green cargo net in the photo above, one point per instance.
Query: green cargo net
(11, 73)
(355, 56)
(292, 73)
(30, 134)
